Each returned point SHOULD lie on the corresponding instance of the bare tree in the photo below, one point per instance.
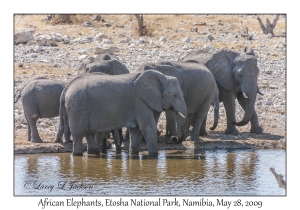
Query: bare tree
(141, 24)
(268, 29)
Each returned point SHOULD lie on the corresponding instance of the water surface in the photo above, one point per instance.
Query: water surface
(177, 173)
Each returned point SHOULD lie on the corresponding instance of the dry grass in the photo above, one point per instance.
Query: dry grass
(157, 25)
(36, 69)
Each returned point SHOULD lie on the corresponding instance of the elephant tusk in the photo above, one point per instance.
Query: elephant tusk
(245, 95)
(260, 93)
(181, 115)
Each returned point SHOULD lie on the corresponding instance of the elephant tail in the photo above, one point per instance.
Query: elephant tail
(17, 97)
(62, 112)
(216, 109)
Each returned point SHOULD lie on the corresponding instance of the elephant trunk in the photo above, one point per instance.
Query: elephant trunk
(181, 110)
(248, 107)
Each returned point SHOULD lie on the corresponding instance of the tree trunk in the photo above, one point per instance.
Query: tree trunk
(268, 29)
(141, 25)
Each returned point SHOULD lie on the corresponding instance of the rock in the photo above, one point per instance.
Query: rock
(57, 37)
(66, 39)
(37, 48)
(33, 55)
(23, 37)
(21, 64)
(127, 39)
(163, 39)
(109, 50)
(87, 24)
(209, 37)
(186, 40)
(207, 47)
(82, 57)
(45, 40)
(106, 41)
(269, 72)
(269, 103)
(100, 37)
(81, 52)
(31, 42)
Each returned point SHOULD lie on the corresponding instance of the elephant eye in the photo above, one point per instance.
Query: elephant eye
(240, 76)
(175, 95)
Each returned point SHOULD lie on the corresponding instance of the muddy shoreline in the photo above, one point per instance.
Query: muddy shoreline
(49, 147)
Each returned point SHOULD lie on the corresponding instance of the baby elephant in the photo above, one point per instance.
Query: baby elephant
(40, 99)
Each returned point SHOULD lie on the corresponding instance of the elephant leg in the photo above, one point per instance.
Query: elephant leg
(149, 131)
(203, 127)
(199, 117)
(170, 125)
(121, 136)
(59, 135)
(67, 132)
(34, 132)
(228, 98)
(77, 144)
(255, 127)
(117, 140)
(127, 135)
(92, 146)
(28, 129)
(136, 138)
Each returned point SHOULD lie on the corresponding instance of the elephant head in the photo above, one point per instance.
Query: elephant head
(233, 71)
(112, 67)
(160, 92)
(82, 67)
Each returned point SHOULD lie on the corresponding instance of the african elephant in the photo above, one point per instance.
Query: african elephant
(97, 103)
(40, 99)
(105, 63)
(236, 76)
(199, 90)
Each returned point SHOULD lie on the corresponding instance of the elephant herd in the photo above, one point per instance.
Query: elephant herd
(106, 97)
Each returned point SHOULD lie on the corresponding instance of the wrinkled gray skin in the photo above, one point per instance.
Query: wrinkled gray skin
(40, 99)
(105, 63)
(199, 90)
(108, 64)
(96, 103)
(236, 76)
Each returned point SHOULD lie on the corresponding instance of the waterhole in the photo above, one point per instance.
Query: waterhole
(176, 173)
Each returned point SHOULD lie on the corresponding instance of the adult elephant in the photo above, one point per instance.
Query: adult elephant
(97, 103)
(236, 76)
(199, 90)
(40, 99)
(105, 63)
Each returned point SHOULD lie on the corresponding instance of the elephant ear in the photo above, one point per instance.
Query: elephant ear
(170, 71)
(149, 86)
(118, 68)
(221, 65)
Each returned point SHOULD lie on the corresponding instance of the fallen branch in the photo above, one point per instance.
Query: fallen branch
(279, 178)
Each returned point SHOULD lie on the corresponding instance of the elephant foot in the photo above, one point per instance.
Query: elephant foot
(203, 133)
(135, 150)
(37, 140)
(68, 141)
(94, 151)
(169, 139)
(58, 141)
(194, 137)
(232, 131)
(77, 153)
(256, 129)
(118, 148)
